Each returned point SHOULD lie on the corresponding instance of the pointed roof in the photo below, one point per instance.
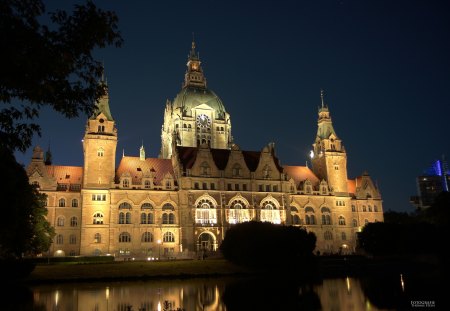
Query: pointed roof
(102, 105)
(194, 76)
(300, 173)
(324, 124)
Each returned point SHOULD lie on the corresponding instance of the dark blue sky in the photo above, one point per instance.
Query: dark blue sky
(384, 66)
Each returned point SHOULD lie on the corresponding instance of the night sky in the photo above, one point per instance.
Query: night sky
(384, 66)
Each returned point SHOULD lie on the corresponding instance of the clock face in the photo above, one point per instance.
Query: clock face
(203, 121)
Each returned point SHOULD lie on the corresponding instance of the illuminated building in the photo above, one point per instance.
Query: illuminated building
(202, 184)
(431, 183)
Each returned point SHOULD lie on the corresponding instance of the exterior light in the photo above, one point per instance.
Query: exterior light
(311, 154)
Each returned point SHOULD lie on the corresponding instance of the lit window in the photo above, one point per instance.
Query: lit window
(355, 223)
(62, 203)
(270, 213)
(205, 213)
(168, 237)
(341, 221)
(97, 238)
(74, 203)
(98, 219)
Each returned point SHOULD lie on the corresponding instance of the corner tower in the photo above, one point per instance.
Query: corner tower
(329, 158)
(99, 147)
(196, 116)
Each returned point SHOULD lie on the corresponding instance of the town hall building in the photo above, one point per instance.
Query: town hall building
(183, 202)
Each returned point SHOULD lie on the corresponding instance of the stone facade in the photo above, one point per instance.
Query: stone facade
(181, 204)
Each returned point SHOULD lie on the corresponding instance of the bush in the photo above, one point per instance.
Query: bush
(265, 245)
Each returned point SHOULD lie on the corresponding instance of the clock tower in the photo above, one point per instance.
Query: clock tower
(197, 115)
(329, 158)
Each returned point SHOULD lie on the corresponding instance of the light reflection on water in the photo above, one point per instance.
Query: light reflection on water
(205, 294)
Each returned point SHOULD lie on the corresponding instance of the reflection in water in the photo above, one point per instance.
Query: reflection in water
(209, 294)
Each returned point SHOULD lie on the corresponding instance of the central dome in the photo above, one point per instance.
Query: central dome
(190, 97)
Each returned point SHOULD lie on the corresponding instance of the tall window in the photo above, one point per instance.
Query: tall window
(236, 170)
(238, 212)
(124, 237)
(74, 203)
(100, 152)
(97, 238)
(355, 223)
(128, 218)
(341, 221)
(125, 183)
(121, 218)
(326, 219)
(343, 236)
(353, 208)
(147, 237)
(205, 213)
(296, 220)
(73, 221)
(62, 203)
(168, 237)
(59, 239)
(327, 235)
(204, 169)
(98, 219)
(269, 213)
(60, 221)
(168, 216)
(72, 239)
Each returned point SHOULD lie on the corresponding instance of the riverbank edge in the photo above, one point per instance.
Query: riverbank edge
(326, 267)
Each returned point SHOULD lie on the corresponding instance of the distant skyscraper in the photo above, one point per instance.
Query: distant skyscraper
(431, 183)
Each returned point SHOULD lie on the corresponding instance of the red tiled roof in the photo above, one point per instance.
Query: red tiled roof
(351, 185)
(137, 168)
(301, 173)
(65, 174)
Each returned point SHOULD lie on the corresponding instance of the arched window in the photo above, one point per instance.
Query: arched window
(364, 208)
(205, 213)
(121, 218)
(74, 221)
(165, 219)
(327, 235)
(143, 218)
(98, 219)
(124, 237)
(74, 203)
(59, 239)
(167, 207)
(296, 220)
(97, 238)
(60, 221)
(270, 213)
(72, 239)
(326, 219)
(171, 218)
(309, 209)
(353, 208)
(238, 212)
(312, 219)
(125, 205)
(147, 237)
(128, 218)
(62, 203)
(150, 219)
(168, 237)
(341, 221)
(355, 223)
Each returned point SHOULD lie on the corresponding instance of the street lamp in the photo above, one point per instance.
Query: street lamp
(159, 249)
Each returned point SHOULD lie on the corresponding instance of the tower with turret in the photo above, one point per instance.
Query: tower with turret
(329, 158)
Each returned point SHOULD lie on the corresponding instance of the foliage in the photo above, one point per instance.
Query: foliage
(439, 212)
(24, 229)
(265, 245)
(49, 64)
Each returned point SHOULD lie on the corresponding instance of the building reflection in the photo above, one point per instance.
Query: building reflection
(200, 294)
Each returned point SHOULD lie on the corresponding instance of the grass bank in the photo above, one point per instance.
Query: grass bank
(71, 272)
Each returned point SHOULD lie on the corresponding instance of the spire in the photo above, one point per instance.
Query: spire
(325, 126)
(142, 152)
(102, 105)
(48, 156)
(194, 73)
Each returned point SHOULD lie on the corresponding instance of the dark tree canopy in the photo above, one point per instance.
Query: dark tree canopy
(24, 229)
(49, 64)
(265, 245)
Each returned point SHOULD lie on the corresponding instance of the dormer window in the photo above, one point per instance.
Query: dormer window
(237, 170)
(101, 129)
(204, 169)
(125, 183)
